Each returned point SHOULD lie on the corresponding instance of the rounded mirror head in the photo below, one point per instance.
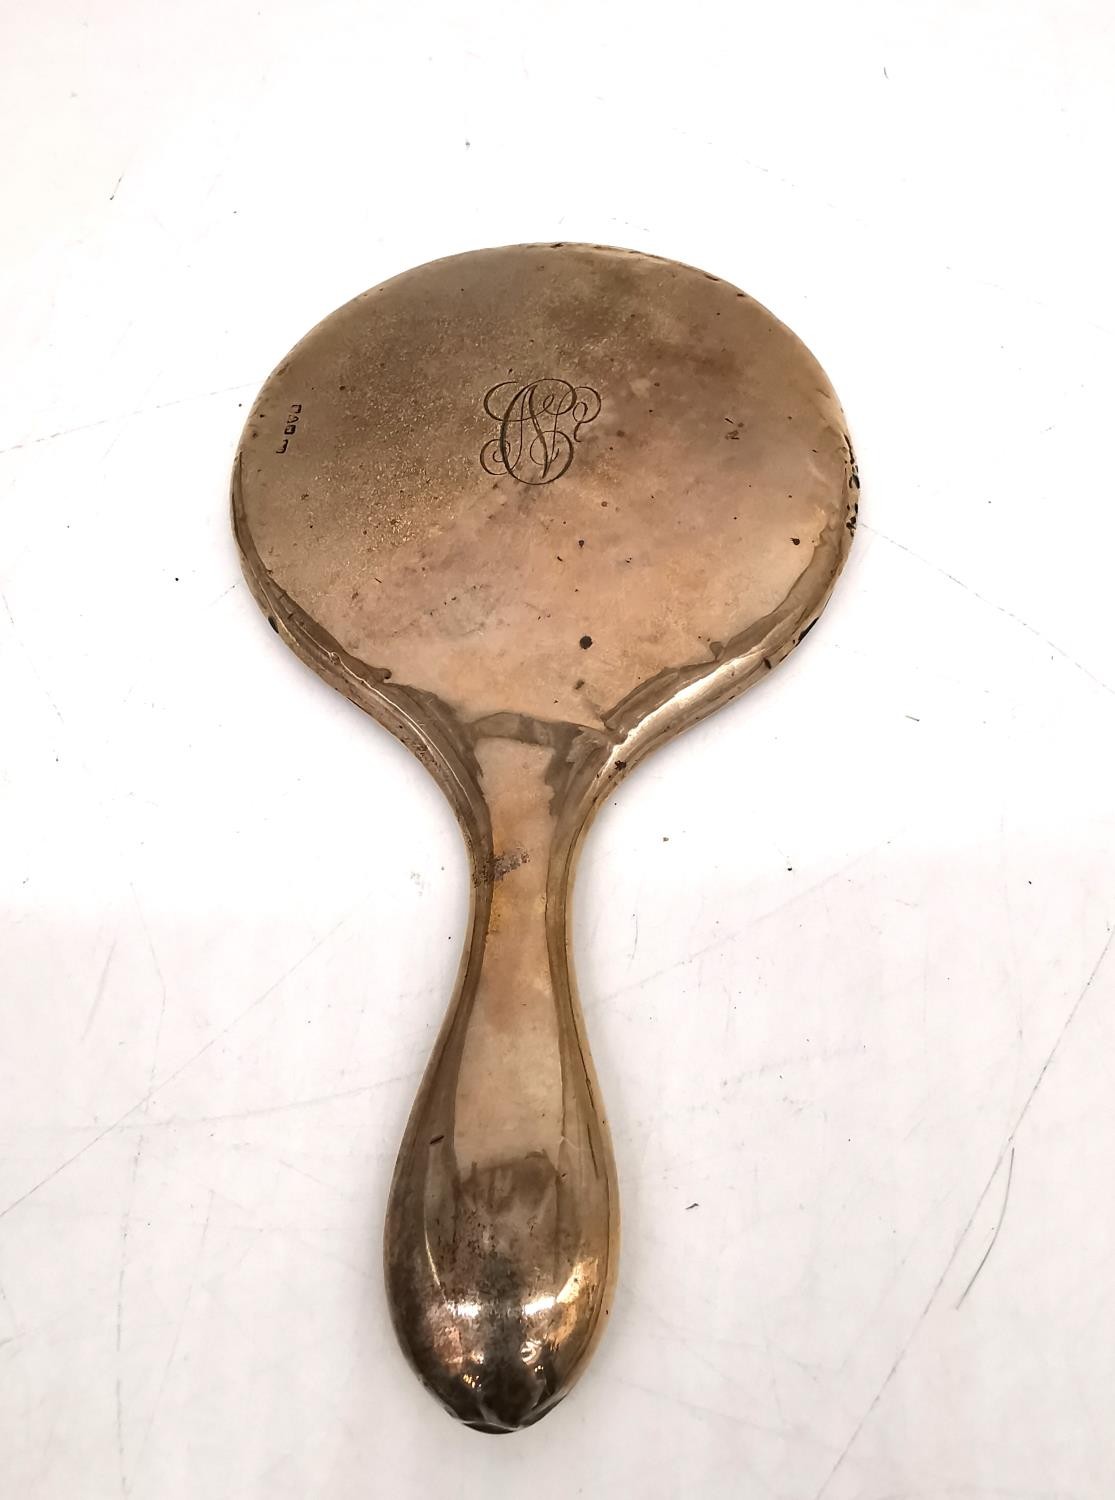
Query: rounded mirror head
(557, 481)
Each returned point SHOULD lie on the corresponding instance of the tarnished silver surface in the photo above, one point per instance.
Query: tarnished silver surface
(536, 510)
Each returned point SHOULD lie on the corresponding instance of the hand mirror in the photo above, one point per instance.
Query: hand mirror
(536, 510)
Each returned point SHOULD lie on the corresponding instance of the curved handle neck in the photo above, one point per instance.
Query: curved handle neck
(509, 1084)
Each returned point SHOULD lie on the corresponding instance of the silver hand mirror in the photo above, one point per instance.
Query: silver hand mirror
(536, 510)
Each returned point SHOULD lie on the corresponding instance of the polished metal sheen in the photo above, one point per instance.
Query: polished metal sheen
(536, 510)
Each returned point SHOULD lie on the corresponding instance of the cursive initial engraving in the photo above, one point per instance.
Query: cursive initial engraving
(538, 425)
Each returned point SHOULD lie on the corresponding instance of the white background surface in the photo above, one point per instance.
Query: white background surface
(856, 1003)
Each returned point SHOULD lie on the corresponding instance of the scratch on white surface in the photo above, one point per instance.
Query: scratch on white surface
(292, 1235)
(30, 659)
(994, 1234)
(726, 1370)
(998, 608)
(99, 993)
(734, 936)
(892, 1280)
(736, 1419)
(69, 1160)
(803, 1060)
(163, 1083)
(127, 416)
(1057, 311)
(330, 1187)
(16, 1372)
(161, 979)
(179, 1327)
(1007, 1145)
(772, 1364)
(223, 594)
(259, 999)
(800, 190)
(125, 1230)
(127, 1219)
(287, 1106)
(6, 1300)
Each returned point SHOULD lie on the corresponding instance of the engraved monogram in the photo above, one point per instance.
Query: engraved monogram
(539, 423)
